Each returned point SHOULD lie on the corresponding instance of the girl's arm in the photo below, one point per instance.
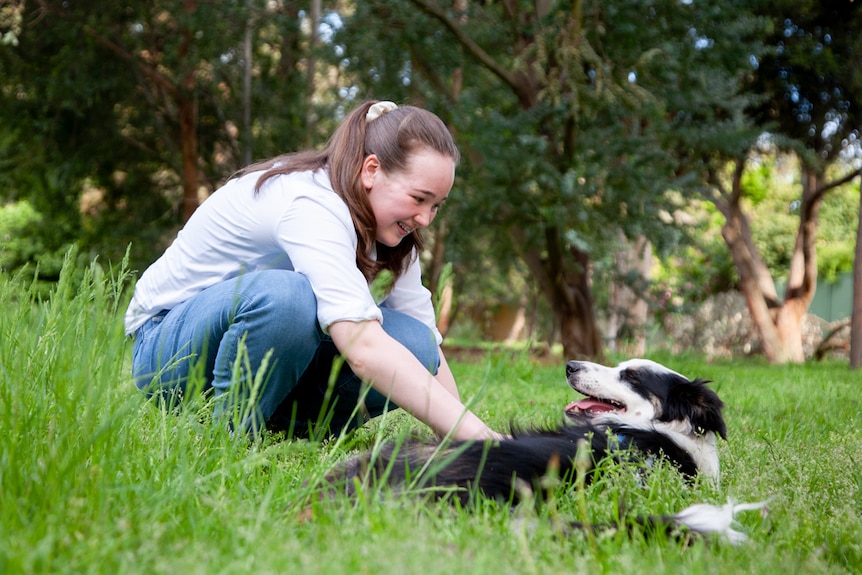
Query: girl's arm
(394, 371)
(445, 377)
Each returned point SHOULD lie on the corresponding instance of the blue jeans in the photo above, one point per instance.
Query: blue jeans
(220, 338)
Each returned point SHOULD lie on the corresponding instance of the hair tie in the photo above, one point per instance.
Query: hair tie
(379, 109)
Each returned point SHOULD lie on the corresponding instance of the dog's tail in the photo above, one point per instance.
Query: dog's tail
(717, 519)
(700, 519)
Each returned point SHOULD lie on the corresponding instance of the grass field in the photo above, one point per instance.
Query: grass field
(93, 479)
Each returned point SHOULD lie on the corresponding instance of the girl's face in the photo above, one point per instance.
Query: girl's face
(405, 201)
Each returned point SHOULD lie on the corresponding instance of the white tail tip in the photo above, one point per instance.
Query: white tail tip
(718, 519)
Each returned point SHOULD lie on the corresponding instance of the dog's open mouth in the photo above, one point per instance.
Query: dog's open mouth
(591, 405)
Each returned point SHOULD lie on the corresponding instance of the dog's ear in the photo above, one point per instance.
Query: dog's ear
(694, 401)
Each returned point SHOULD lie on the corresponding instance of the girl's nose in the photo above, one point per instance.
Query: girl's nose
(425, 217)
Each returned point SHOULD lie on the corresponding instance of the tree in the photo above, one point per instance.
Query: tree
(137, 108)
(856, 315)
(811, 105)
(561, 110)
(59, 129)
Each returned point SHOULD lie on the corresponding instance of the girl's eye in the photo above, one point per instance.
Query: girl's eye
(421, 200)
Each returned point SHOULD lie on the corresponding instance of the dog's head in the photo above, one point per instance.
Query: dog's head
(642, 392)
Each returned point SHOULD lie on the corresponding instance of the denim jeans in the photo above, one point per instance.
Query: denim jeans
(264, 318)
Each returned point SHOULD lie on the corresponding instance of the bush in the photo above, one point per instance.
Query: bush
(23, 251)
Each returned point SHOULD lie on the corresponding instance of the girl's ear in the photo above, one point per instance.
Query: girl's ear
(370, 167)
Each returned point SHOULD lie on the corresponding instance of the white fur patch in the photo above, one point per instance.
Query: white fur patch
(714, 519)
(702, 448)
(603, 382)
(599, 381)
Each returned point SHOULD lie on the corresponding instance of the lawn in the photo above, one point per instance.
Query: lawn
(95, 479)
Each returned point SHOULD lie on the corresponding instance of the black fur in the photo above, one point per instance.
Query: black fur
(462, 468)
(491, 467)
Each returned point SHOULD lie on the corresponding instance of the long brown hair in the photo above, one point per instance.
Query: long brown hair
(393, 137)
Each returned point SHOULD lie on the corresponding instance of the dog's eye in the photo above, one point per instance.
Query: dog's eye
(629, 375)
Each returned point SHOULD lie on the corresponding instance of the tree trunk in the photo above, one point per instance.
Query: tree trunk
(788, 325)
(573, 303)
(247, 56)
(779, 323)
(628, 310)
(183, 94)
(311, 69)
(802, 276)
(856, 314)
(188, 119)
(747, 264)
(189, 146)
(565, 283)
(440, 286)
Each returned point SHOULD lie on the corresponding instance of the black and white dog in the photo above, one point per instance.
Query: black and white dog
(651, 408)
(639, 409)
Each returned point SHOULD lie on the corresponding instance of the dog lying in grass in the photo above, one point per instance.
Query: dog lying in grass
(636, 410)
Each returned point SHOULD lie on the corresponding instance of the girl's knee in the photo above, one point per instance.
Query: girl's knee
(276, 310)
(283, 296)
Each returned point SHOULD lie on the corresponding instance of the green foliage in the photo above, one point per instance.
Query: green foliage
(25, 254)
(812, 85)
(836, 237)
(89, 104)
(620, 96)
(382, 284)
(95, 479)
(690, 277)
(702, 266)
(757, 181)
(833, 260)
(15, 247)
(775, 221)
(630, 99)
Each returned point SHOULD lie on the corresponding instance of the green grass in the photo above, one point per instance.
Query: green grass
(94, 479)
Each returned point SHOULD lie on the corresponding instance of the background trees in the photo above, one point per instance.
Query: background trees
(119, 120)
(589, 129)
(808, 100)
(566, 109)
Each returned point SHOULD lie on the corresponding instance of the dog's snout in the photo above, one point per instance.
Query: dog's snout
(572, 367)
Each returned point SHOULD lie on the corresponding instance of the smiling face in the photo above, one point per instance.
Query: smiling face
(614, 392)
(406, 200)
(643, 391)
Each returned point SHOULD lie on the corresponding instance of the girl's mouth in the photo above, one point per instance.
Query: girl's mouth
(407, 231)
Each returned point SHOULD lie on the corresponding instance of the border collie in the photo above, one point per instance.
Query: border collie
(637, 410)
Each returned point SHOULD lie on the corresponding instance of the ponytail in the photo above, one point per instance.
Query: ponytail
(393, 137)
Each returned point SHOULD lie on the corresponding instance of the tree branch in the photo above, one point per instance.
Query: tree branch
(148, 70)
(821, 191)
(431, 75)
(481, 55)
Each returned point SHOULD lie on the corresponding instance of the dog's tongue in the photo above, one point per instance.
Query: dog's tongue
(589, 404)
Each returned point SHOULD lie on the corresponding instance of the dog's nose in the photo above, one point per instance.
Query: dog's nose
(573, 367)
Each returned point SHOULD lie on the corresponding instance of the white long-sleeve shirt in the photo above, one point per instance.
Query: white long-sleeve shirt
(296, 222)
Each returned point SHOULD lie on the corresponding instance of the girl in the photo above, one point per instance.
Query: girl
(276, 266)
